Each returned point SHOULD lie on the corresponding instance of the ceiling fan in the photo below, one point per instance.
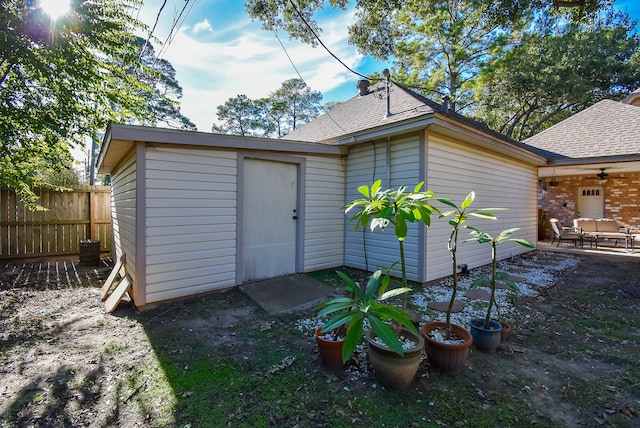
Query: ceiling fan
(603, 175)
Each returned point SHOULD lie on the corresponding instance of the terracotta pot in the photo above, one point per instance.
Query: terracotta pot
(505, 333)
(485, 339)
(390, 369)
(330, 352)
(450, 358)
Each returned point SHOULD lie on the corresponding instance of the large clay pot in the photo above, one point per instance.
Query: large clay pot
(449, 358)
(330, 352)
(390, 369)
(486, 339)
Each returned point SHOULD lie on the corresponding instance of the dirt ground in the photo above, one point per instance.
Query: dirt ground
(65, 362)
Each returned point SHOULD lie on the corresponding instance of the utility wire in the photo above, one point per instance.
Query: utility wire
(146, 42)
(322, 43)
(301, 78)
(171, 34)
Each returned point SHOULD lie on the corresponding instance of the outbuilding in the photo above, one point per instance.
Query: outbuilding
(196, 212)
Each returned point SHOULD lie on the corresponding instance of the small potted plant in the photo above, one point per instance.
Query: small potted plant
(487, 332)
(389, 327)
(447, 344)
(379, 208)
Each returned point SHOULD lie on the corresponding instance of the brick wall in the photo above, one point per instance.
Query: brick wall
(621, 197)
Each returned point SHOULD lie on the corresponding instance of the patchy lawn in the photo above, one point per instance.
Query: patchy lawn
(219, 360)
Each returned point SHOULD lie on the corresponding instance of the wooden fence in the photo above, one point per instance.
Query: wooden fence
(83, 213)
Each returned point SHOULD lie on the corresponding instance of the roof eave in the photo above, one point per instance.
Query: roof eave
(120, 138)
(445, 125)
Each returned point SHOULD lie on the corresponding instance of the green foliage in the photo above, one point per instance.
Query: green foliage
(483, 238)
(557, 71)
(487, 57)
(457, 218)
(368, 304)
(379, 208)
(290, 106)
(238, 116)
(63, 81)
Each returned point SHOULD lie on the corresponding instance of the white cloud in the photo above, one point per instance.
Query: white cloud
(253, 63)
(202, 26)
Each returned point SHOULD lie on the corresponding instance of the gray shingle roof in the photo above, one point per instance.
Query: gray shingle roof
(607, 128)
(364, 113)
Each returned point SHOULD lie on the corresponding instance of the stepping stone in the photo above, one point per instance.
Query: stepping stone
(478, 294)
(442, 306)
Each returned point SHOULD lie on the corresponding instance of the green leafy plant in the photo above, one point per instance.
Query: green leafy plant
(379, 208)
(458, 217)
(366, 304)
(483, 238)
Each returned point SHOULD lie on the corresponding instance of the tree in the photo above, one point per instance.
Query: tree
(62, 81)
(296, 104)
(558, 71)
(240, 116)
(290, 106)
(163, 103)
(440, 47)
(376, 16)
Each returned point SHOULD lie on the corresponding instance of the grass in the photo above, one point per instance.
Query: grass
(220, 361)
(221, 387)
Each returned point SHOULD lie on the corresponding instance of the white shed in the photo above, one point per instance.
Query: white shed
(403, 138)
(196, 212)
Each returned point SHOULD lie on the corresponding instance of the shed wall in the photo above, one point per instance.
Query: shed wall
(396, 163)
(190, 221)
(324, 217)
(454, 170)
(123, 214)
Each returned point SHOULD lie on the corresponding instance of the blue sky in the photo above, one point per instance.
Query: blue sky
(218, 53)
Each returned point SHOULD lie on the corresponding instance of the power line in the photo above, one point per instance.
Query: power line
(322, 43)
(146, 42)
(171, 34)
(301, 78)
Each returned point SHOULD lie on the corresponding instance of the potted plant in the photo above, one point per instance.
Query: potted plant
(447, 345)
(487, 332)
(390, 326)
(330, 346)
(379, 208)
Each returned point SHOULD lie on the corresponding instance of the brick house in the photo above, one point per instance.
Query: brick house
(593, 165)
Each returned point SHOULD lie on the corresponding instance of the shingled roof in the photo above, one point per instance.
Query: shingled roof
(606, 129)
(369, 113)
(364, 113)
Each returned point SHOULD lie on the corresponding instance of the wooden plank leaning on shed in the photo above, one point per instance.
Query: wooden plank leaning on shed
(111, 296)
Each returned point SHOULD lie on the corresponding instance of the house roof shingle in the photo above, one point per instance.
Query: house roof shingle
(607, 128)
(369, 112)
(363, 113)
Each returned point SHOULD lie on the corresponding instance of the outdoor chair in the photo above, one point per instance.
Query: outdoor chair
(564, 233)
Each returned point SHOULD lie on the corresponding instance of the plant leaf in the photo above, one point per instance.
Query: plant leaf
(351, 340)
(386, 334)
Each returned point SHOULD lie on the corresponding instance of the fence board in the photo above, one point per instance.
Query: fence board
(83, 213)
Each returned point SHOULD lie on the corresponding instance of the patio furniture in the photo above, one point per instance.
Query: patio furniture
(597, 230)
(562, 233)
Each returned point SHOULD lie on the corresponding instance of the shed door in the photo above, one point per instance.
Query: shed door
(591, 202)
(269, 226)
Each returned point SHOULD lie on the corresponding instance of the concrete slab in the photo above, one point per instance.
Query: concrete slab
(288, 293)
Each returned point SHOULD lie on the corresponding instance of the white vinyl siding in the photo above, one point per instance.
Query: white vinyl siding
(453, 171)
(396, 164)
(323, 227)
(190, 221)
(123, 213)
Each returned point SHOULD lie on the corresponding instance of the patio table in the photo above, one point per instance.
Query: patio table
(629, 238)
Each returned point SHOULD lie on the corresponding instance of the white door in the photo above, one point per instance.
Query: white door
(591, 202)
(269, 219)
